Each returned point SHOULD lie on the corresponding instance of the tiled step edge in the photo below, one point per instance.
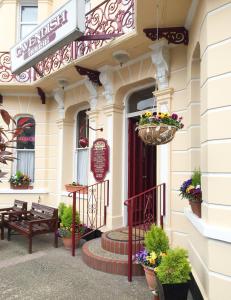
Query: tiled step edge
(112, 266)
(119, 247)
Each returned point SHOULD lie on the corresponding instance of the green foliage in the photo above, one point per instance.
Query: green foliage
(20, 179)
(66, 217)
(156, 240)
(61, 209)
(174, 267)
(196, 178)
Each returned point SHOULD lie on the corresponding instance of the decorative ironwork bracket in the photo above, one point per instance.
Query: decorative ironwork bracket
(93, 75)
(174, 35)
(1, 99)
(42, 95)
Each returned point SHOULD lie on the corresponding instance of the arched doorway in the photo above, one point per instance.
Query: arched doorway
(141, 157)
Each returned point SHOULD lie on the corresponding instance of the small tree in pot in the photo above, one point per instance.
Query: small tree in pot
(173, 275)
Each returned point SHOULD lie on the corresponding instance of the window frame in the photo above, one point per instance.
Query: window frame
(24, 3)
(15, 152)
(75, 144)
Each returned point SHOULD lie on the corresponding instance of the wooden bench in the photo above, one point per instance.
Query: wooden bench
(5, 212)
(40, 219)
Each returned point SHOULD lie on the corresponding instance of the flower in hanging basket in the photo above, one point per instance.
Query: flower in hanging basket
(191, 190)
(158, 128)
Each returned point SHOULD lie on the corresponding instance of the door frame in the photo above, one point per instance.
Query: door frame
(125, 142)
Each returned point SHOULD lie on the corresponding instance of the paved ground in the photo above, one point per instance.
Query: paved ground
(51, 273)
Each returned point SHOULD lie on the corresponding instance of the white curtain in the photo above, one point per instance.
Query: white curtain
(82, 165)
(25, 163)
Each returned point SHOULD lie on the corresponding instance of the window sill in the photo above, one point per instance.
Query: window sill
(29, 191)
(208, 231)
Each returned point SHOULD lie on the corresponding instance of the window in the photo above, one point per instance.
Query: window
(28, 17)
(81, 154)
(26, 147)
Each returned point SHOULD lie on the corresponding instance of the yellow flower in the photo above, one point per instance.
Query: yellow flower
(189, 188)
(152, 258)
(155, 269)
(148, 114)
(162, 254)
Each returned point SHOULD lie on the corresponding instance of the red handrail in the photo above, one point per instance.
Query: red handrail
(91, 204)
(143, 210)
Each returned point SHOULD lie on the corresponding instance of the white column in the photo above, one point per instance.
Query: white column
(113, 134)
(163, 100)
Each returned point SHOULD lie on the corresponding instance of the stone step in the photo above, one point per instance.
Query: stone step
(116, 241)
(98, 258)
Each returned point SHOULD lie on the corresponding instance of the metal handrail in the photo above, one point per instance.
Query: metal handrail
(144, 209)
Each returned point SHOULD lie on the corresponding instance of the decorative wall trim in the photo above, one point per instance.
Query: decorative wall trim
(93, 93)
(160, 58)
(106, 78)
(33, 191)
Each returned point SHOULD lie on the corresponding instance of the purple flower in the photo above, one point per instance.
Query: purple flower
(174, 116)
(185, 185)
(141, 256)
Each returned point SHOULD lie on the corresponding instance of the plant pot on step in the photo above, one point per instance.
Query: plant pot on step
(67, 242)
(150, 278)
(177, 291)
(196, 207)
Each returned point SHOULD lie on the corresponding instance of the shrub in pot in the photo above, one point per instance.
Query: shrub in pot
(173, 275)
(65, 230)
(156, 245)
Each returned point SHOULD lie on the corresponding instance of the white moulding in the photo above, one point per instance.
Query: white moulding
(29, 191)
(208, 231)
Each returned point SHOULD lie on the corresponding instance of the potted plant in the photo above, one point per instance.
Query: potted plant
(65, 230)
(20, 181)
(76, 187)
(158, 128)
(173, 275)
(156, 244)
(191, 190)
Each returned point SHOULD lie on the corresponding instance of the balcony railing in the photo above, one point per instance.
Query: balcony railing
(108, 18)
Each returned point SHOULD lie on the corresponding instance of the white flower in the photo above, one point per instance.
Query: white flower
(198, 186)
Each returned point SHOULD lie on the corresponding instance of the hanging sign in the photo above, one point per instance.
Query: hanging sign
(64, 26)
(100, 159)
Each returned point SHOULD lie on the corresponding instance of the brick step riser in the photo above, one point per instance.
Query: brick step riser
(118, 247)
(109, 266)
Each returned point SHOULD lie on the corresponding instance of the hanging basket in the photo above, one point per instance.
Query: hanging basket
(156, 134)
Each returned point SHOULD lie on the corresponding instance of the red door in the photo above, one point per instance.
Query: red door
(141, 164)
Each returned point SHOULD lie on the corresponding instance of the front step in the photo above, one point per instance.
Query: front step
(100, 259)
(116, 241)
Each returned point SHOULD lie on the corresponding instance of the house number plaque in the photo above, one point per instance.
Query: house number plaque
(100, 159)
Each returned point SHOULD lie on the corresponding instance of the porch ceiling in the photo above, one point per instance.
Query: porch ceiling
(171, 13)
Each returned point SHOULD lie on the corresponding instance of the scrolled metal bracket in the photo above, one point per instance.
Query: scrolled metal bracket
(93, 75)
(174, 35)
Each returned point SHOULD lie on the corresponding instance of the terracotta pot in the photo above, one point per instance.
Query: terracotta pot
(151, 278)
(67, 242)
(76, 188)
(20, 187)
(196, 208)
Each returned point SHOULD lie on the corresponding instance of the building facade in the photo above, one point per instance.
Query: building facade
(191, 80)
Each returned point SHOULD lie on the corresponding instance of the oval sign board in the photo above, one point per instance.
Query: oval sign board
(100, 159)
